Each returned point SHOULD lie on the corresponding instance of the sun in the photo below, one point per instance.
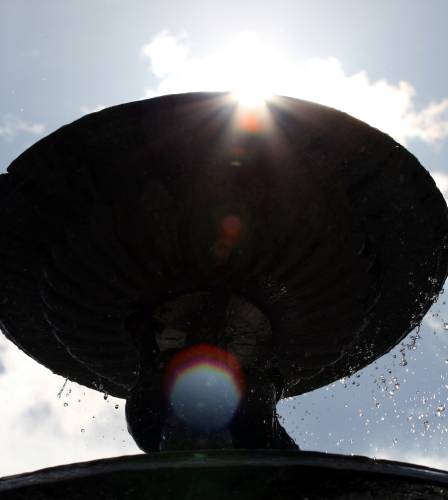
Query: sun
(250, 71)
(251, 97)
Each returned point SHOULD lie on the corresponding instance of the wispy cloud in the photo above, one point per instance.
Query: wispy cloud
(388, 106)
(11, 126)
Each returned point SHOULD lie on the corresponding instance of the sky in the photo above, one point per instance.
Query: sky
(381, 61)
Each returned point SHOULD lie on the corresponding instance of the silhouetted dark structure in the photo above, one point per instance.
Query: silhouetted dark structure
(298, 239)
(236, 474)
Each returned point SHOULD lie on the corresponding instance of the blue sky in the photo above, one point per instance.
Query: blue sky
(382, 61)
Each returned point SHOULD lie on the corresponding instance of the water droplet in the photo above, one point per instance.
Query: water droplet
(445, 326)
(105, 396)
(117, 406)
(82, 430)
(440, 410)
(65, 404)
(62, 388)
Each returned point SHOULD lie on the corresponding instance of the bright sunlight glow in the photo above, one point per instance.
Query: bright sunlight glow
(255, 69)
(252, 75)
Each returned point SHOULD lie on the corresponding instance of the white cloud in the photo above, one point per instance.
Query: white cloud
(247, 60)
(11, 126)
(433, 121)
(85, 110)
(441, 179)
(166, 53)
(40, 429)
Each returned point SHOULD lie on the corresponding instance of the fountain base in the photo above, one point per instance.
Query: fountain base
(236, 474)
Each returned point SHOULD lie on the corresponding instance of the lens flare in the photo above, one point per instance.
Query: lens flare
(254, 119)
(204, 385)
(229, 237)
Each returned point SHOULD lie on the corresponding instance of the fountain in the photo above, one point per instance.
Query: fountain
(203, 261)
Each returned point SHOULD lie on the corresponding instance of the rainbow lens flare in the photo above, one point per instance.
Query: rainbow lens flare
(204, 385)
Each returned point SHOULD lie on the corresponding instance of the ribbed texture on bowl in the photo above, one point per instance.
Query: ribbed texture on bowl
(342, 241)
